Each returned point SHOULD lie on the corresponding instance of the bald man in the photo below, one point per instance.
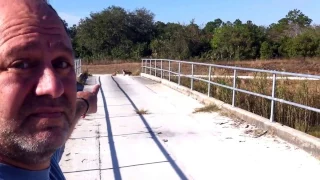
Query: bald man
(39, 104)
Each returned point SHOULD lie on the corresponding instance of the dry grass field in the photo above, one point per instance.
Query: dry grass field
(299, 91)
(297, 66)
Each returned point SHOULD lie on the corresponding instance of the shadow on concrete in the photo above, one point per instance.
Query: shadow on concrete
(177, 169)
(114, 157)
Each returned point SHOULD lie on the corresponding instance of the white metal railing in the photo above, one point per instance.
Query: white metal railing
(77, 66)
(147, 64)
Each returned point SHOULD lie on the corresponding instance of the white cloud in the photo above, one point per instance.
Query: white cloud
(69, 18)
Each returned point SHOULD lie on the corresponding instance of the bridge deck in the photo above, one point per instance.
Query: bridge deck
(172, 142)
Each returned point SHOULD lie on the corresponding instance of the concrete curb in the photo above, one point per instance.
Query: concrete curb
(302, 140)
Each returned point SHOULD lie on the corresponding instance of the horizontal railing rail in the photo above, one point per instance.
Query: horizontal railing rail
(147, 65)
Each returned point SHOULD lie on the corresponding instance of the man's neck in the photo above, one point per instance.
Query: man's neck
(32, 167)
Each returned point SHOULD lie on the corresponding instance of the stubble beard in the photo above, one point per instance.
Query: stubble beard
(22, 145)
(26, 149)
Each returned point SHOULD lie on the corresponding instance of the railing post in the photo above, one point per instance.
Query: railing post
(273, 96)
(141, 65)
(192, 76)
(169, 70)
(179, 73)
(234, 87)
(150, 67)
(80, 66)
(209, 84)
(155, 68)
(161, 70)
(77, 67)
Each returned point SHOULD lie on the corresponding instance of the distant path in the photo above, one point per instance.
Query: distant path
(171, 142)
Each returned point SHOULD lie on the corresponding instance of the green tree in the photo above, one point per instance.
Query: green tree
(297, 17)
(282, 33)
(237, 41)
(266, 51)
(115, 33)
(305, 45)
(212, 25)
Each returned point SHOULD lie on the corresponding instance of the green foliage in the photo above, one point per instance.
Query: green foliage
(179, 42)
(212, 26)
(297, 17)
(237, 41)
(115, 33)
(305, 45)
(266, 51)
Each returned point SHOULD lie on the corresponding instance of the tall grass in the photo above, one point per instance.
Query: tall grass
(302, 92)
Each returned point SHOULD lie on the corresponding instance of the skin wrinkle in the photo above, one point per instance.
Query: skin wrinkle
(30, 16)
(7, 36)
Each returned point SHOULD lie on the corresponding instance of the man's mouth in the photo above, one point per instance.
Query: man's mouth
(48, 115)
(49, 118)
(47, 112)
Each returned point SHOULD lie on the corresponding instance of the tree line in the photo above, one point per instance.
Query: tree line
(116, 33)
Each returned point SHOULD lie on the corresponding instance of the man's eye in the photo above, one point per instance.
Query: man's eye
(61, 64)
(21, 65)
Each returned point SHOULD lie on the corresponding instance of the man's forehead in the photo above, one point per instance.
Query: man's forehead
(37, 9)
(36, 46)
(26, 4)
(18, 17)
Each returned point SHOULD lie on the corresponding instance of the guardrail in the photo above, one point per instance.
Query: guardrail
(77, 66)
(148, 65)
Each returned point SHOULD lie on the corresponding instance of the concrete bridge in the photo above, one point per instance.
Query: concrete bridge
(171, 142)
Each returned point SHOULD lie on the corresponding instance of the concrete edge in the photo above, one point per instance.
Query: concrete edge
(300, 139)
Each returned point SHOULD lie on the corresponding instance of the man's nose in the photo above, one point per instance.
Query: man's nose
(49, 84)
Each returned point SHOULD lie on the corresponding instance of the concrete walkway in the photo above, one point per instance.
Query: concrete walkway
(171, 142)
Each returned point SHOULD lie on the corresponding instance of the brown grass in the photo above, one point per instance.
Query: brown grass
(142, 111)
(111, 68)
(297, 66)
(309, 66)
(207, 108)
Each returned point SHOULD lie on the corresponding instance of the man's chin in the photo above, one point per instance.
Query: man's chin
(51, 137)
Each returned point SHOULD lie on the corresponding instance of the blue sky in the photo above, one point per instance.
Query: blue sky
(261, 12)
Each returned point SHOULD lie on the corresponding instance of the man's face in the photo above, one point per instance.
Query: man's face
(37, 81)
